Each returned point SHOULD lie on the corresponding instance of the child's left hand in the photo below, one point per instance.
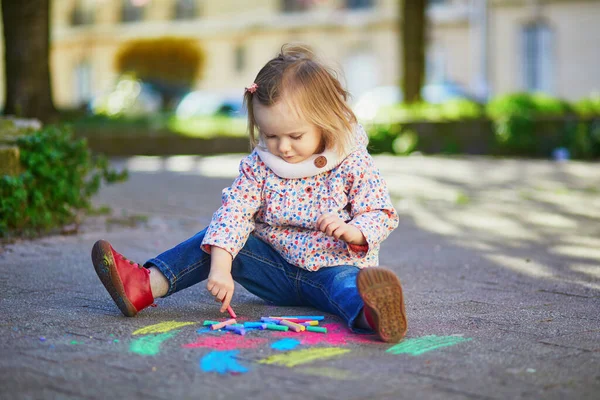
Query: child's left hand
(333, 225)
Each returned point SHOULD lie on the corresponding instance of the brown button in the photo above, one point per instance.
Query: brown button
(320, 161)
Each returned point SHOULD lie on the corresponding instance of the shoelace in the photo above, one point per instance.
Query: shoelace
(131, 262)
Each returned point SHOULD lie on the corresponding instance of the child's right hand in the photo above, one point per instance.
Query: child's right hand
(220, 282)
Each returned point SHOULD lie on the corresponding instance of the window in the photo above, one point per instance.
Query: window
(83, 83)
(537, 57)
(240, 59)
(358, 4)
(435, 64)
(185, 9)
(133, 10)
(83, 13)
(288, 6)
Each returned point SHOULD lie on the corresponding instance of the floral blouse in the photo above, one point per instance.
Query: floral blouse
(283, 212)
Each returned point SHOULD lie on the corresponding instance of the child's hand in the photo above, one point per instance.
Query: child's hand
(220, 284)
(334, 226)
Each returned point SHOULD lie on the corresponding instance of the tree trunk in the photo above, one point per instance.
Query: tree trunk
(27, 50)
(413, 48)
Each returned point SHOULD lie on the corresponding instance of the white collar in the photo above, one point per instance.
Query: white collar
(313, 165)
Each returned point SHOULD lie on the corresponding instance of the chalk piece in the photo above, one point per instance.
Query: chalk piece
(274, 327)
(208, 322)
(316, 329)
(309, 323)
(236, 329)
(306, 317)
(293, 326)
(270, 320)
(257, 325)
(230, 311)
(223, 324)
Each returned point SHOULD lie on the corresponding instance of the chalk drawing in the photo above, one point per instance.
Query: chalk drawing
(162, 327)
(293, 358)
(285, 344)
(150, 345)
(226, 342)
(337, 335)
(222, 362)
(205, 330)
(418, 346)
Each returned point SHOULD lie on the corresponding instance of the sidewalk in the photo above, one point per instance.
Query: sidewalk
(500, 262)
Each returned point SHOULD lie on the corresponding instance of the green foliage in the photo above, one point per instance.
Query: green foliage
(452, 110)
(170, 60)
(60, 177)
(523, 124)
(514, 117)
(381, 137)
(588, 107)
(406, 142)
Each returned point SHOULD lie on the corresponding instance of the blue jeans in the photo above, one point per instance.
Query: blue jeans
(263, 272)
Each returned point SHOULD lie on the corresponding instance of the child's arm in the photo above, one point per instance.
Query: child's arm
(220, 282)
(371, 207)
(230, 227)
(233, 222)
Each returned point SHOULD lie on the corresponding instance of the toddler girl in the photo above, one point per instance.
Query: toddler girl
(302, 223)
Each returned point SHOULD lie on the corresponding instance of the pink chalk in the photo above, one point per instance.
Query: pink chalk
(223, 324)
(230, 311)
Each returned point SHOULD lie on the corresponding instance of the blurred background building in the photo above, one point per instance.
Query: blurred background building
(484, 47)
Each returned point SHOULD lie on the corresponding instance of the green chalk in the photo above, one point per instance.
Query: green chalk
(207, 322)
(275, 327)
(316, 329)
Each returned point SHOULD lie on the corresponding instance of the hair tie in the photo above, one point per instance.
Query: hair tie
(252, 88)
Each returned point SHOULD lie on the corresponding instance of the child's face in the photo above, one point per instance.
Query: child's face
(285, 134)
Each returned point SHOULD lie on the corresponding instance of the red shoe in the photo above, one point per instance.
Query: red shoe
(127, 283)
(381, 291)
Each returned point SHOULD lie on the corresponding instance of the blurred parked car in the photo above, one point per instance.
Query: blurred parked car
(130, 98)
(206, 103)
(368, 104)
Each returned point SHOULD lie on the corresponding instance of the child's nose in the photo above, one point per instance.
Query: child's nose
(284, 146)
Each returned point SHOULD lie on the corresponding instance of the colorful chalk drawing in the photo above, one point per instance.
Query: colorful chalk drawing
(150, 345)
(222, 362)
(293, 358)
(285, 344)
(162, 327)
(337, 335)
(229, 341)
(418, 346)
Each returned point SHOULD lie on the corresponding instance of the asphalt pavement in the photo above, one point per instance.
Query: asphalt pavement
(499, 260)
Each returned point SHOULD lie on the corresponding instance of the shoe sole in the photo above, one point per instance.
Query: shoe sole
(381, 291)
(105, 266)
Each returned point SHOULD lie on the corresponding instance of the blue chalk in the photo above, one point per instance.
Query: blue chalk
(236, 329)
(256, 325)
(269, 320)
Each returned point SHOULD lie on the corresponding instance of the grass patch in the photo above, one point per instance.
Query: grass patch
(204, 127)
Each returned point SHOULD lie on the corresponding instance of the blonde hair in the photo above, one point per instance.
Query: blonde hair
(313, 91)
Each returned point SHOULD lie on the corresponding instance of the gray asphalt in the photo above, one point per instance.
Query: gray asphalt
(499, 259)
